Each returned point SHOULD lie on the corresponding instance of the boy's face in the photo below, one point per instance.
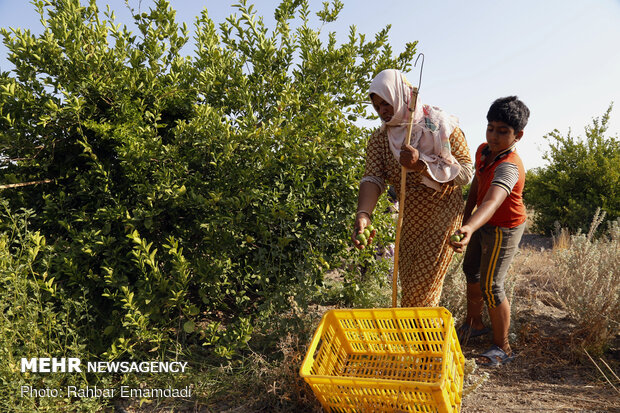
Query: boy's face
(500, 136)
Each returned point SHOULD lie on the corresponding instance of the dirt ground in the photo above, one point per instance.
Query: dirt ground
(544, 377)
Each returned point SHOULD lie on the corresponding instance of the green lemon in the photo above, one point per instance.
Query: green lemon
(367, 233)
(362, 239)
(370, 228)
(455, 237)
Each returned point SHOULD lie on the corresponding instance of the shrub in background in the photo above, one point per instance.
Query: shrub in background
(582, 175)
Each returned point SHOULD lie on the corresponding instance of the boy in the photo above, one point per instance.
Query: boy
(493, 231)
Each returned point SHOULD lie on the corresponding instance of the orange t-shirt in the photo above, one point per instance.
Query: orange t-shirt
(511, 213)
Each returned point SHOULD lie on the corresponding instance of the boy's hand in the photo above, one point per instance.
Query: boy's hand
(409, 157)
(361, 222)
(459, 246)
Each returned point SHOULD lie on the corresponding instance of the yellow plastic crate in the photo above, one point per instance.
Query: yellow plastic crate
(386, 360)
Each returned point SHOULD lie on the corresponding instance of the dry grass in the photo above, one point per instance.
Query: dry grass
(586, 282)
(534, 277)
(267, 379)
(281, 389)
(561, 239)
(579, 279)
(453, 293)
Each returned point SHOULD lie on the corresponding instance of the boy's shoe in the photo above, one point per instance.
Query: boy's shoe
(465, 332)
(496, 357)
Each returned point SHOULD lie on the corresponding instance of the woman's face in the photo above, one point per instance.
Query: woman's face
(384, 109)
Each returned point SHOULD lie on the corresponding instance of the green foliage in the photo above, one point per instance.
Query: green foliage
(582, 175)
(190, 196)
(37, 318)
(466, 189)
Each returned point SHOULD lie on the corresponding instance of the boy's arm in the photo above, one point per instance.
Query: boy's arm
(492, 200)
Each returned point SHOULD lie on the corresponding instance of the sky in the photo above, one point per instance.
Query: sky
(560, 57)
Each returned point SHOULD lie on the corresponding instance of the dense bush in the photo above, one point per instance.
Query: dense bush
(190, 195)
(581, 176)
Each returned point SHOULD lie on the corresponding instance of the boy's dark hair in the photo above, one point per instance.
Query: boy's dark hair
(511, 111)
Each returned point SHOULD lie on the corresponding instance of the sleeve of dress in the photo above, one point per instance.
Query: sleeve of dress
(460, 151)
(375, 163)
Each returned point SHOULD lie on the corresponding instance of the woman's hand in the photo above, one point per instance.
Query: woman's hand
(362, 220)
(409, 157)
(459, 246)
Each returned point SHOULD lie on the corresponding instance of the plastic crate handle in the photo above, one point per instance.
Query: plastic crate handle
(313, 350)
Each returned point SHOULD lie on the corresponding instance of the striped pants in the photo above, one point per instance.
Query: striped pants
(487, 259)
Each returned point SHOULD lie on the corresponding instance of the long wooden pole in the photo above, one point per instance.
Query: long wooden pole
(401, 201)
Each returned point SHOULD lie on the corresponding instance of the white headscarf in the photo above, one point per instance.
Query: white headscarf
(431, 131)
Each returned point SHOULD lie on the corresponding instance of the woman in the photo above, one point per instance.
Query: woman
(438, 164)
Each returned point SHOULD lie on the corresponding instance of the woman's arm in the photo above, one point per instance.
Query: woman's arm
(372, 184)
(366, 203)
(410, 159)
(471, 200)
(460, 151)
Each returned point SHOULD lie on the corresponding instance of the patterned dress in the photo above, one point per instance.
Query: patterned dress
(428, 221)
